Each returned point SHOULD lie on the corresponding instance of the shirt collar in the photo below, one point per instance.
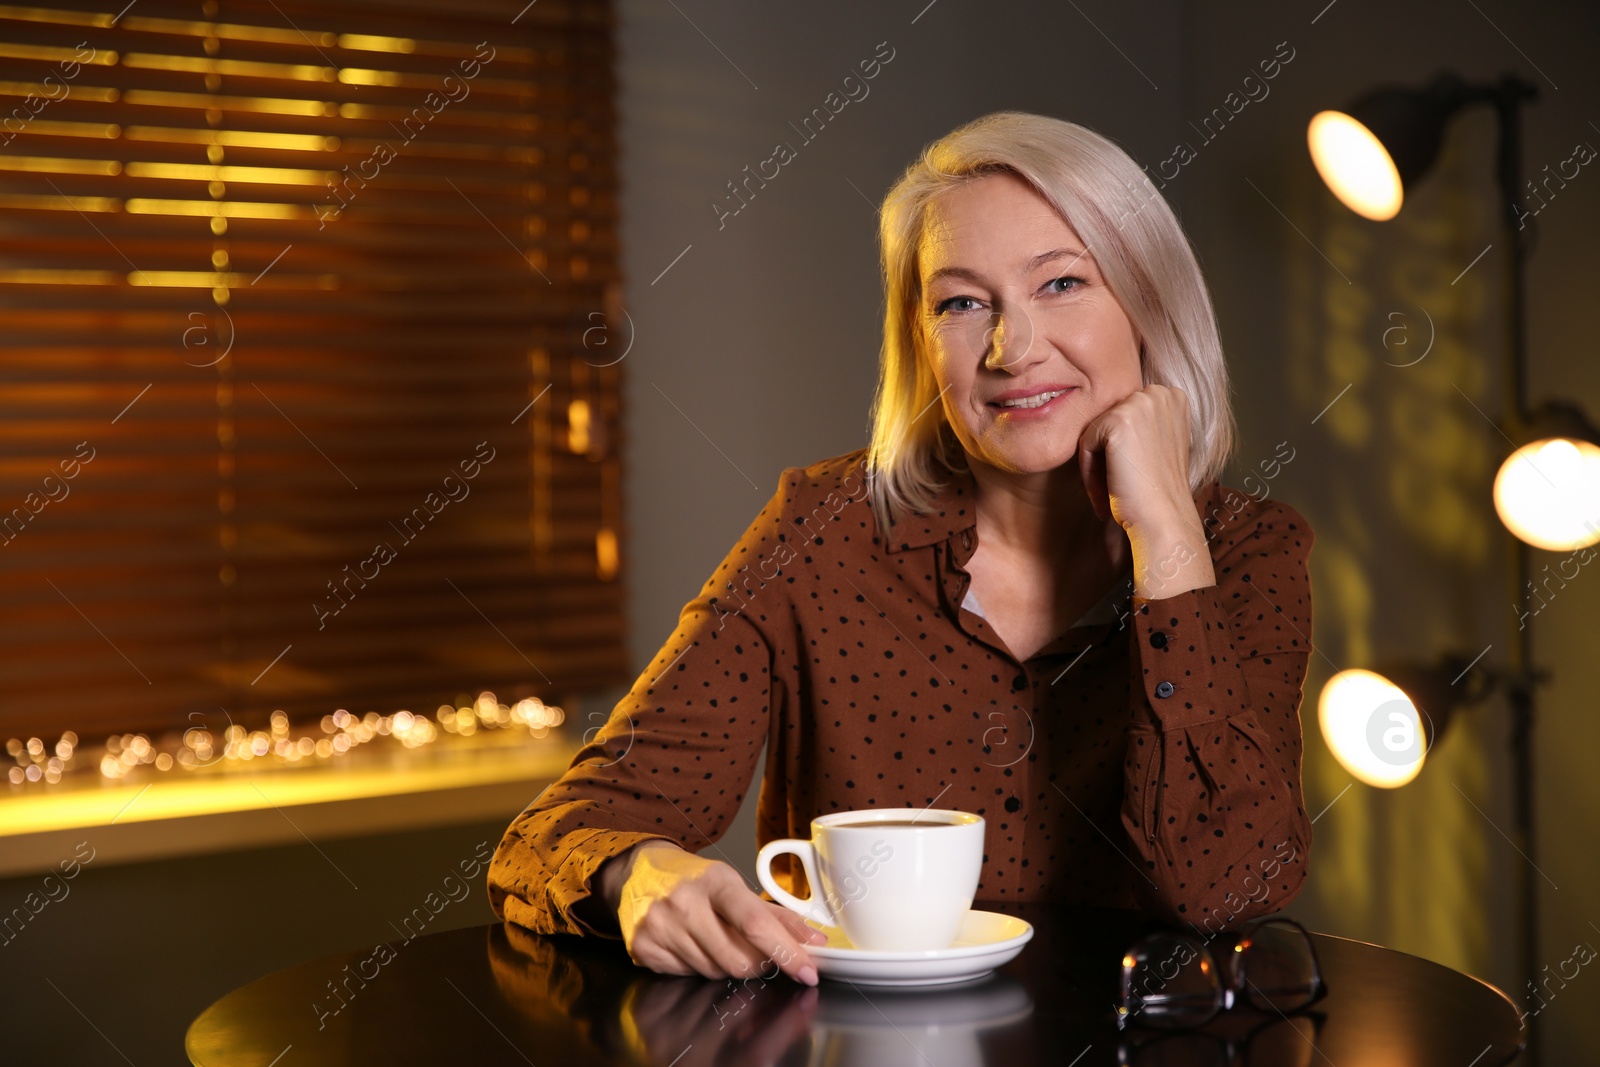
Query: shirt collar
(951, 512)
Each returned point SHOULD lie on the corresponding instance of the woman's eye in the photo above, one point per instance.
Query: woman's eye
(1066, 284)
(966, 303)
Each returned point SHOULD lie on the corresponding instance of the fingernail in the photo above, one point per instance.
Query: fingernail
(808, 974)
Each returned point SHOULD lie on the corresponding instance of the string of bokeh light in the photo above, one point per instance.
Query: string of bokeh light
(237, 748)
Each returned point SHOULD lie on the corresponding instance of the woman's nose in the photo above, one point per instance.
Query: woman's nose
(1008, 342)
(994, 342)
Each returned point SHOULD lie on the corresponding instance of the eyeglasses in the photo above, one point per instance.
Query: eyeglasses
(1174, 981)
(1282, 1041)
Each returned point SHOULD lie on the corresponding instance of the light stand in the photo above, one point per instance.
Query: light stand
(1368, 154)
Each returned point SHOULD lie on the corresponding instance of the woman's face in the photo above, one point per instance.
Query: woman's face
(1024, 338)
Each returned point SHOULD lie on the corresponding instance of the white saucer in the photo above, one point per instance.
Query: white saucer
(985, 940)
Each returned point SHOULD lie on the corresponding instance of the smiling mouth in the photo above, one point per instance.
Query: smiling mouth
(1035, 401)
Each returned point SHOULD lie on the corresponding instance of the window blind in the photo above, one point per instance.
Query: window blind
(304, 405)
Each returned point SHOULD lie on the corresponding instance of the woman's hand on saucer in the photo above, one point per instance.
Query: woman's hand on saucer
(683, 914)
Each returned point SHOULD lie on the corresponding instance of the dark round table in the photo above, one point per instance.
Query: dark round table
(498, 994)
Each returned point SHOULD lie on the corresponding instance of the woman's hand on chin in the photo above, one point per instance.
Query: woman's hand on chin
(1134, 459)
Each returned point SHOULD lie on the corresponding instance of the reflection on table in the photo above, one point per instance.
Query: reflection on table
(501, 995)
(658, 1019)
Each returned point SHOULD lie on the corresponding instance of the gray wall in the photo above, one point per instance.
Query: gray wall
(765, 335)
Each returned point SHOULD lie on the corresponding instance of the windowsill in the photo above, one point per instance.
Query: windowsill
(165, 814)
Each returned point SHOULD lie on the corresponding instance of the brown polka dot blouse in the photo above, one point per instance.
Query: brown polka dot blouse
(1149, 756)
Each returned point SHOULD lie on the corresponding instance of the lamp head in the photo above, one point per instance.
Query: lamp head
(1377, 147)
(1381, 724)
(1548, 490)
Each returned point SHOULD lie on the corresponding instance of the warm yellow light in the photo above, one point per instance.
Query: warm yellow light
(60, 165)
(1548, 493)
(288, 142)
(578, 426)
(362, 76)
(239, 209)
(605, 554)
(99, 94)
(370, 43)
(1355, 165)
(201, 172)
(267, 104)
(51, 202)
(1373, 728)
(236, 67)
(60, 277)
(53, 54)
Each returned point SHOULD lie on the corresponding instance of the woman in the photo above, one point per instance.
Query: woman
(1028, 598)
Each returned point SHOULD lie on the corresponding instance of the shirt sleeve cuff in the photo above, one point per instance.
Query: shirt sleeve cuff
(572, 891)
(1186, 661)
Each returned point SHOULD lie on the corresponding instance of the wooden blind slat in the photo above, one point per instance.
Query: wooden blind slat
(281, 285)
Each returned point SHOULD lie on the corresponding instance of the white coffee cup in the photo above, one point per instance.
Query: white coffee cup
(895, 880)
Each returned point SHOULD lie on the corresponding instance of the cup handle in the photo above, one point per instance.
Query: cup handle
(813, 907)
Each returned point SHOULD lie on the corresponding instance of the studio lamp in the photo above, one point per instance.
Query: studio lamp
(1547, 493)
(1382, 724)
(1373, 150)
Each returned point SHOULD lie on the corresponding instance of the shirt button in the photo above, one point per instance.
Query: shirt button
(1019, 683)
(1012, 804)
(1158, 640)
(1164, 690)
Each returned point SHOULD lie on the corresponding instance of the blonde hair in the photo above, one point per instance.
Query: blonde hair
(1141, 251)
